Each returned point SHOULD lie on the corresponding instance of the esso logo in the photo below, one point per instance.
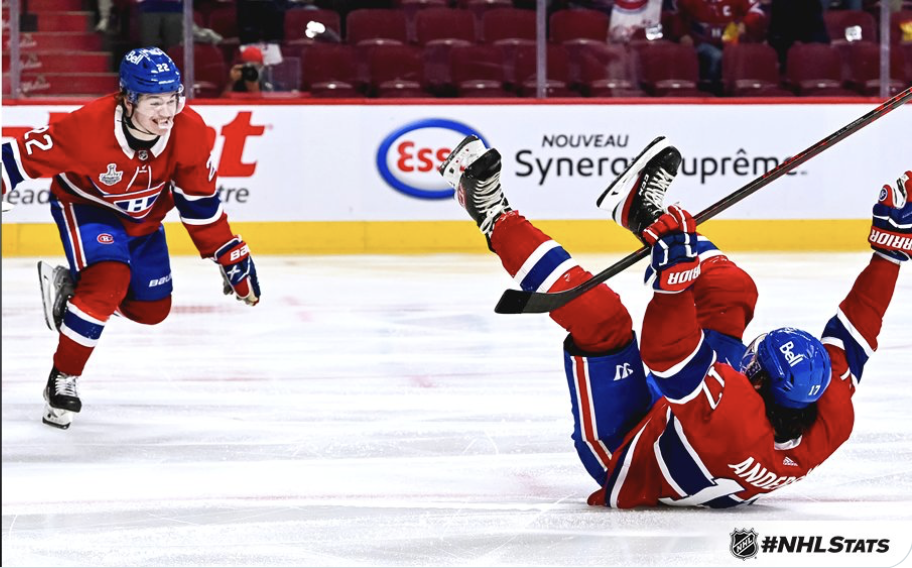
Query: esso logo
(105, 238)
(409, 157)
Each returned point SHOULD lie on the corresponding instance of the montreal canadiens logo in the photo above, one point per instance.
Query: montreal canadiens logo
(105, 238)
(409, 157)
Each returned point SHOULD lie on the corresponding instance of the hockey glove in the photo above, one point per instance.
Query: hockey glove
(238, 271)
(891, 229)
(674, 265)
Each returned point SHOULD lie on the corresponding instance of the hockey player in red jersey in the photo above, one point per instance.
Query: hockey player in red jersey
(119, 164)
(714, 424)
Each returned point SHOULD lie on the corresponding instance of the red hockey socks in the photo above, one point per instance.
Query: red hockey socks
(597, 321)
(101, 288)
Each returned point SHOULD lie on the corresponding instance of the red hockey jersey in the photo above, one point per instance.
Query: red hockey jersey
(91, 163)
(708, 442)
(706, 20)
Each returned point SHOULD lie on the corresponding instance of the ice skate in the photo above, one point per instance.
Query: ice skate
(62, 400)
(475, 174)
(637, 197)
(56, 290)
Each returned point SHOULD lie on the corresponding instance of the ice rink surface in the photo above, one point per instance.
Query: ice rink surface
(375, 411)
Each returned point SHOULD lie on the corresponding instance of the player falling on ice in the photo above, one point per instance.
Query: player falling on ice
(715, 424)
(119, 164)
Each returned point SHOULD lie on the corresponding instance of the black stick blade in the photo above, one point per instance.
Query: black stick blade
(513, 302)
(522, 302)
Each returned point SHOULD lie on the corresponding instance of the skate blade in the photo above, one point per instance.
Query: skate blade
(57, 417)
(46, 282)
(612, 197)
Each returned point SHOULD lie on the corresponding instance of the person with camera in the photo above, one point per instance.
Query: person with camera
(247, 75)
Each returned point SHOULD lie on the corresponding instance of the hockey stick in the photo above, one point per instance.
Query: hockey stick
(522, 302)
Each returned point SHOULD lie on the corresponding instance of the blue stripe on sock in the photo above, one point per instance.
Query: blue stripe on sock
(544, 268)
(84, 328)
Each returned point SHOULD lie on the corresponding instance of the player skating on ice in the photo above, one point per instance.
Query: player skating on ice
(715, 424)
(119, 164)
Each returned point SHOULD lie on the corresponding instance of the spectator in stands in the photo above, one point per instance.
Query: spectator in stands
(161, 23)
(796, 20)
(710, 24)
(635, 19)
(248, 76)
(104, 15)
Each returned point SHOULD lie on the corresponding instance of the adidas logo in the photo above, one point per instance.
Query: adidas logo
(789, 461)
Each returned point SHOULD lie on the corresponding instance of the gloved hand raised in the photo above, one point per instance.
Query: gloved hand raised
(675, 265)
(891, 229)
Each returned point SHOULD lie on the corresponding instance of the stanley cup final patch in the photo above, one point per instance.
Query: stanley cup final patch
(112, 176)
(744, 544)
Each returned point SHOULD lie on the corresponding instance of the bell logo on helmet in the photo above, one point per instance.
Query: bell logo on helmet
(134, 57)
(790, 357)
(147, 71)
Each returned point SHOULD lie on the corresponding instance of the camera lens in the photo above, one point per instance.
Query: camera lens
(249, 72)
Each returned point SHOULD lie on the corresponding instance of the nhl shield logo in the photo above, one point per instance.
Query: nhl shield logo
(143, 155)
(744, 544)
(112, 176)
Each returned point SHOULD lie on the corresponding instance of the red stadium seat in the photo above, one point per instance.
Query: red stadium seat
(395, 71)
(328, 70)
(414, 7)
(439, 30)
(420, 4)
(906, 50)
(525, 71)
(370, 24)
(444, 23)
(567, 25)
(607, 70)
(508, 24)
(751, 70)
(223, 20)
(839, 22)
(864, 69)
(478, 71)
(669, 69)
(210, 71)
(296, 23)
(815, 69)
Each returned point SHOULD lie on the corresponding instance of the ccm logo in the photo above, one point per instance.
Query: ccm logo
(409, 157)
(105, 238)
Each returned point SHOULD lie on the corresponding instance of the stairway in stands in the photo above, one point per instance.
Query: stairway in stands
(64, 56)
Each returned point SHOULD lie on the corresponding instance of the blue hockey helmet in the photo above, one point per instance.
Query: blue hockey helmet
(149, 71)
(795, 363)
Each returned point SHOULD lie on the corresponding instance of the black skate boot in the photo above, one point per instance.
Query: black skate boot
(56, 290)
(62, 400)
(636, 198)
(475, 174)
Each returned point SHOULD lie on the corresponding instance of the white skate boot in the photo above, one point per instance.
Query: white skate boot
(637, 197)
(62, 400)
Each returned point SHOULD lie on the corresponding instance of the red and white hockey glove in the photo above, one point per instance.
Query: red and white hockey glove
(675, 265)
(238, 271)
(891, 229)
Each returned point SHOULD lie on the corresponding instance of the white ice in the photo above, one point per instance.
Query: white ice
(375, 411)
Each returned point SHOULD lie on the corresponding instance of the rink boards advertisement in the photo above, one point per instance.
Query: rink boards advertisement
(315, 178)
